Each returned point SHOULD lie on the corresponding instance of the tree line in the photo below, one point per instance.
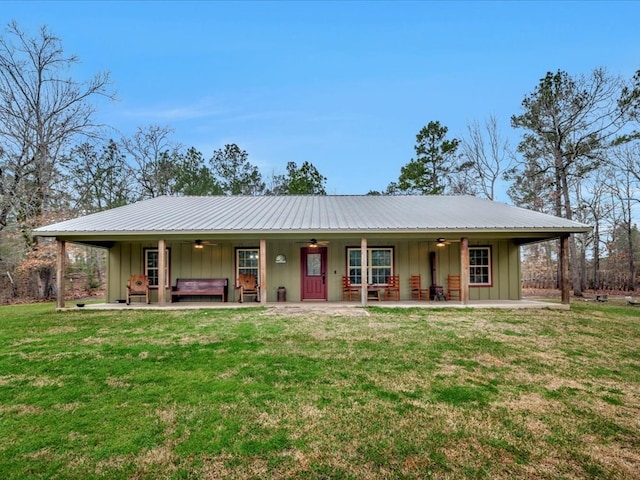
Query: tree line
(578, 158)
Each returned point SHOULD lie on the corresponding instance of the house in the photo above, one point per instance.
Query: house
(306, 244)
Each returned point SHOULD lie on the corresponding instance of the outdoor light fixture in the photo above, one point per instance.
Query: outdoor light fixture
(198, 244)
(313, 243)
(440, 242)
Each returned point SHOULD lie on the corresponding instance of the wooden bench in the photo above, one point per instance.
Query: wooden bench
(200, 286)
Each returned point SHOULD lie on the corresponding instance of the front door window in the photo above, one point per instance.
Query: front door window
(314, 264)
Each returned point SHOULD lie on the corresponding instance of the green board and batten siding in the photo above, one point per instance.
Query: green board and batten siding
(411, 257)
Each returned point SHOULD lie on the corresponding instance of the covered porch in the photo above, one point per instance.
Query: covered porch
(329, 308)
(162, 297)
(310, 246)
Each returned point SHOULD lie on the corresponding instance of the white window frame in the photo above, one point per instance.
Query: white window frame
(480, 266)
(153, 277)
(373, 271)
(248, 261)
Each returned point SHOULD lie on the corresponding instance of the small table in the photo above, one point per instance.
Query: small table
(374, 293)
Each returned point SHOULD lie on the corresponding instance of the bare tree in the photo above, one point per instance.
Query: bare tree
(42, 111)
(598, 209)
(98, 180)
(487, 155)
(153, 153)
(624, 185)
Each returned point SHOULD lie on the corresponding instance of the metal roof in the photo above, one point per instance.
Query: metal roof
(322, 214)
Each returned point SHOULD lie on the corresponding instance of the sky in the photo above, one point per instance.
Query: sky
(345, 85)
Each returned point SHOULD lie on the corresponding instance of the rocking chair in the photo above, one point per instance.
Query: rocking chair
(138, 286)
(348, 290)
(417, 291)
(392, 290)
(248, 285)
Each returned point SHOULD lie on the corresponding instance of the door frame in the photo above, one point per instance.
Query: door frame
(323, 267)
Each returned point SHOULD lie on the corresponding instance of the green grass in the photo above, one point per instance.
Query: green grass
(446, 394)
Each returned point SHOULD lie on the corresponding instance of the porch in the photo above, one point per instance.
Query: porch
(330, 308)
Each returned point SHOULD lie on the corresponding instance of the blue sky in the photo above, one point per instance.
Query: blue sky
(344, 85)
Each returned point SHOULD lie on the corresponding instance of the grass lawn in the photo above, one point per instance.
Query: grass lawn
(247, 393)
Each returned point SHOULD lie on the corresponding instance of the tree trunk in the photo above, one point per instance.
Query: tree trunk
(596, 256)
(631, 282)
(562, 189)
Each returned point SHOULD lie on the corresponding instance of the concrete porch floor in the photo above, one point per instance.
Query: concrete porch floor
(321, 307)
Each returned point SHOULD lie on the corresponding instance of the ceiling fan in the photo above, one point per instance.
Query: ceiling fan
(313, 243)
(200, 244)
(442, 242)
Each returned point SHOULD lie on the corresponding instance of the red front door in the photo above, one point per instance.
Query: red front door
(314, 273)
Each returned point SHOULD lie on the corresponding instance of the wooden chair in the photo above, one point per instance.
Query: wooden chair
(393, 288)
(417, 291)
(453, 286)
(137, 286)
(349, 290)
(248, 285)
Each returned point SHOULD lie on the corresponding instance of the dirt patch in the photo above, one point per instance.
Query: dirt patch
(588, 295)
(305, 309)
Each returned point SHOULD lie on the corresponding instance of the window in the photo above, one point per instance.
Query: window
(479, 266)
(151, 264)
(247, 261)
(314, 264)
(379, 265)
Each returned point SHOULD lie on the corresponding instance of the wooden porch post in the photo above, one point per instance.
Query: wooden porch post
(263, 271)
(464, 270)
(565, 288)
(162, 278)
(60, 266)
(363, 271)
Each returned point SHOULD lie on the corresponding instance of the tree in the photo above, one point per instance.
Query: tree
(41, 112)
(236, 175)
(623, 184)
(276, 184)
(98, 181)
(532, 187)
(630, 103)
(488, 156)
(194, 177)
(429, 173)
(568, 121)
(305, 180)
(597, 208)
(155, 157)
